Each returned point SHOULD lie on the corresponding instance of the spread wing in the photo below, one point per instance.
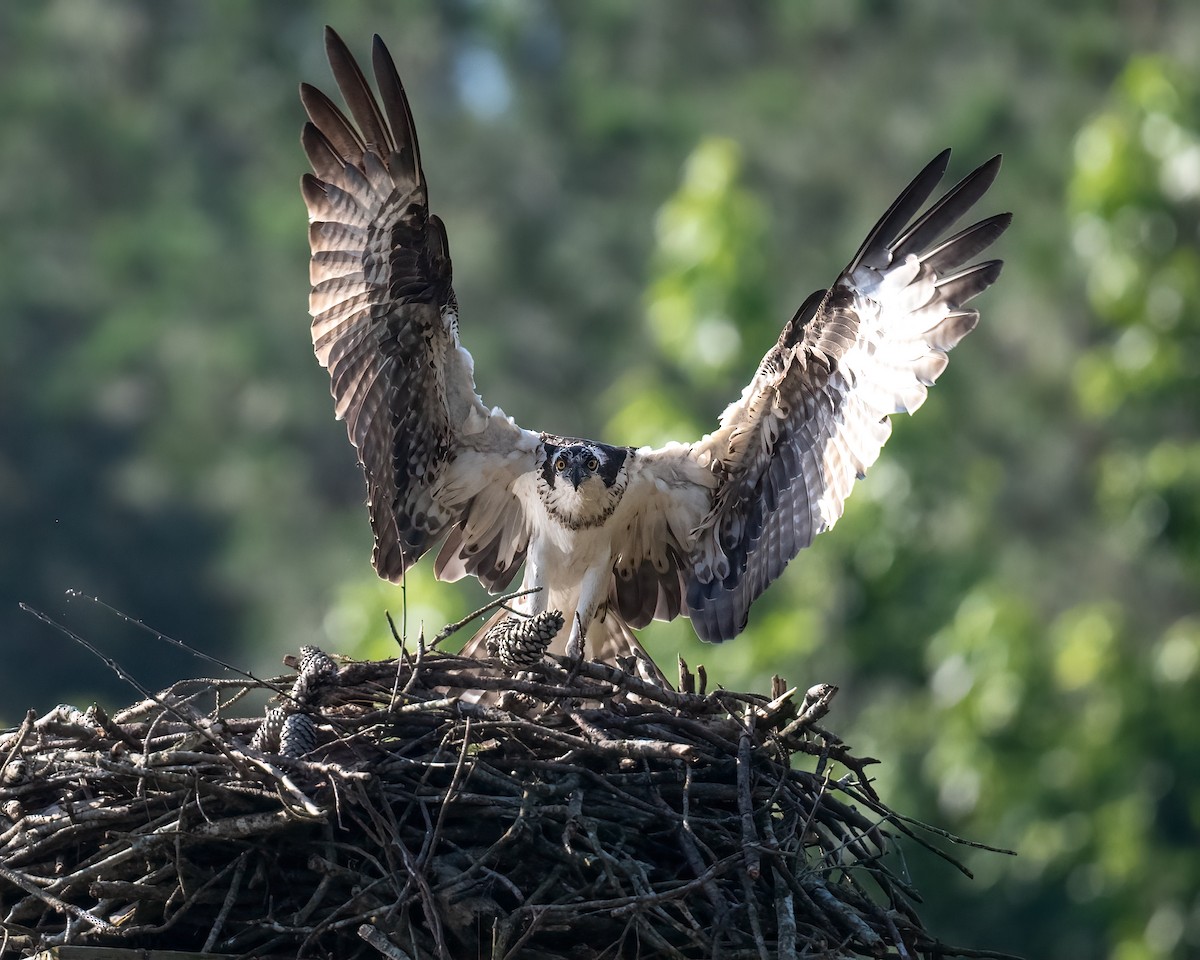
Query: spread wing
(385, 324)
(815, 416)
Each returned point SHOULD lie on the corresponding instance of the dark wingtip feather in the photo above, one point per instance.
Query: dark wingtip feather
(942, 215)
(395, 105)
(335, 46)
(903, 208)
(356, 92)
(312, 189)
(964, 286)
(333, 124)
(325, 161)
(965, 244)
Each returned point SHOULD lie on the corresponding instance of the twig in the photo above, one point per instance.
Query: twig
(187, 648)
(380, 942)
(12, 876)
(750, 843)
(450, 629)
(235, 886)
(122, 674)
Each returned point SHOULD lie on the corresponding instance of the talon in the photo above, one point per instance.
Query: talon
(575, 642)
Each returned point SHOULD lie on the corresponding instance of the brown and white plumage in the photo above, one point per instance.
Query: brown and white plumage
(385, 324)
(613, 536)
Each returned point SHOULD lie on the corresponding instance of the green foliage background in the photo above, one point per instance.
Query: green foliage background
(638, 195)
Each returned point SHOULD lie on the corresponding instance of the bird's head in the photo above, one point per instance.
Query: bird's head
(576, 464)
(584, 480)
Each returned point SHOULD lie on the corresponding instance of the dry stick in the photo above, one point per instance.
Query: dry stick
(942, 950)
(608, 673)
(785, 922)
(535, 921)
(182, 910)
(532, 904)
(13, 877)
(456, 780)
(623, 905)
(607, 860)
(187, 648)
(772, 710)
(450, 629)
(414, 670)
(848, 919)
(901, 947)
(687, 682)
(381, 942)
(947, 835)
(633, 748)
(428, 906)
(542, 691)
(120, 672)
(630, 802)
(901, 823)
(750, 842)
(16, 738)
(752, 915)
(235, 886)
(852, 817)
(489, 873)
(785, 912)
(574, 818)
(428, 767)
(814, 706)
(691, 852)
(384, 830)
(400, 660)
(656, 939)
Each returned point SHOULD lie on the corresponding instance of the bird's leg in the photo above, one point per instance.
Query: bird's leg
(591, 594)
(576, 639)
(536, 602)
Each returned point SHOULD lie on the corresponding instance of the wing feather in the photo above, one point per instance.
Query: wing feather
(385, 325)
(668, 492)
(357, 93)
(947, 211)
(341, 139)
(814, 418)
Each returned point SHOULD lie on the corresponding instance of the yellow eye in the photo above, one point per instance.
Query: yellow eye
(593, 463)
(560, 464)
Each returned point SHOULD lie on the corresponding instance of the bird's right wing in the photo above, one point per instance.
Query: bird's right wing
(437, 462)
(816, 414)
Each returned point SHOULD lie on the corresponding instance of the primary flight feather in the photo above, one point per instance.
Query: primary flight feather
(613, 537)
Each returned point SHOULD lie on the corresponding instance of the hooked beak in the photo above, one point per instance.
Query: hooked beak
(577, 475)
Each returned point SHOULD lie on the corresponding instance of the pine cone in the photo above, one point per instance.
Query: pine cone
(317, 668)
(266, 737)
(298, 737)
(522, 641)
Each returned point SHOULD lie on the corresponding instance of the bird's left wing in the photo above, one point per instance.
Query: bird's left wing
(815, 416)
(438, 463)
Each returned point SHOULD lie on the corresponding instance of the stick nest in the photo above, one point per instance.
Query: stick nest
(451, 808)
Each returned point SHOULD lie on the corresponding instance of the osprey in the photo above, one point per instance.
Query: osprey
(610, 536)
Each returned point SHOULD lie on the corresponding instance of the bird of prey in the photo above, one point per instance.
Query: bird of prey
(612, 536)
